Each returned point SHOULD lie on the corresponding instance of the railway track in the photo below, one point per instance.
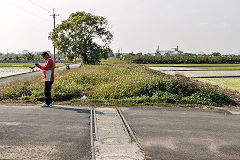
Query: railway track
(112, 137)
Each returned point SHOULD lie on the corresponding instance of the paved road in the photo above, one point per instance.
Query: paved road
(33, 133)
(185, 133)
(62, 133)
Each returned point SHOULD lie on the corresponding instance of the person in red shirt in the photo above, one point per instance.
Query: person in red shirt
(47, 77)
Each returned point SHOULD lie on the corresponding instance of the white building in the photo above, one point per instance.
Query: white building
(172, 52)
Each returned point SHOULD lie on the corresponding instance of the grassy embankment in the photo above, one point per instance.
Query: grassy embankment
(114, 83)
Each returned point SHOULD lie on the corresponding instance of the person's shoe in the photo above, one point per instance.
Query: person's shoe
(45, 105)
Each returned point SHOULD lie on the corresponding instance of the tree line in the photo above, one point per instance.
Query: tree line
(183, 59)
(26, 58)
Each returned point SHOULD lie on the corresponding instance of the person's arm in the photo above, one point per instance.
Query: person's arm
(47, 66)
(37, 65)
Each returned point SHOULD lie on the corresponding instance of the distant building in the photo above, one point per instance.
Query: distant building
(158, 52)
(172, 52)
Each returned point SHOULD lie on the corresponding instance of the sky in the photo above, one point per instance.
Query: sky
(196, 26)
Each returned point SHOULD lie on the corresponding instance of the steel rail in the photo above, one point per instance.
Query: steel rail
(91, 135)
(124, 126)
(95, 124)
(129, 129)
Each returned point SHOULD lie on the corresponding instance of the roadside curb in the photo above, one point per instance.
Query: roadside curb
(229, 111)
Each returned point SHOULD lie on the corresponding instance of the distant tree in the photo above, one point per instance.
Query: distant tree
(149, 54)
(29, 56)
(110, 54)
(17, 58)
(118, 55)
(189, 54)
(216, 54)
(69, 58)
(131, 54)
(83, 35)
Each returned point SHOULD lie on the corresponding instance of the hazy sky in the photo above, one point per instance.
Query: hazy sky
(137, 25)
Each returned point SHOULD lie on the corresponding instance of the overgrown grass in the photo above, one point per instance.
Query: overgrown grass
(114, 83)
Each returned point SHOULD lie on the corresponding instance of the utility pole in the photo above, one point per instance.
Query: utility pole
(54, 24)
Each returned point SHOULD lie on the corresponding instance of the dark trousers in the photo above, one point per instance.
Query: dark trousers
(47, 92)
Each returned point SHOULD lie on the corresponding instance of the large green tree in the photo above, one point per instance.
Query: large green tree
(83, 35)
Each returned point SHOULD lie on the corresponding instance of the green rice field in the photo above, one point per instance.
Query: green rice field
(223, 75)
(191, 65)
(9, 69)
(24, 64)
(229, 83)
(175, 68)
(202, 73)
(198, 66)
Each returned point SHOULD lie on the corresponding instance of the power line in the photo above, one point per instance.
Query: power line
(25, 10)
(43, 4)
(43, 8)
(62, 17)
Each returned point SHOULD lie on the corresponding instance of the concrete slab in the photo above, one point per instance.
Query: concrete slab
(185, 133)
(33, 133)
(113, 143)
